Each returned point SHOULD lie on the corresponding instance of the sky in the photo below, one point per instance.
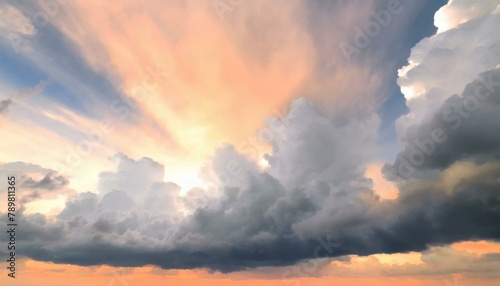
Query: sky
(228, 142)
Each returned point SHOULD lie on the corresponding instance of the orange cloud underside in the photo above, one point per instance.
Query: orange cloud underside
(478, 247)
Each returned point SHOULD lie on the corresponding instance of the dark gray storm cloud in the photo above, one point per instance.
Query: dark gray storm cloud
(36, 182)
(466, 127)
(50, 181)
(280, 216)
(260, 225)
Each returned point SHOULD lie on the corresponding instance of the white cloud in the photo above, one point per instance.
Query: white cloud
(308, 147)
(442, 65)
(458, 12)
(135, 178)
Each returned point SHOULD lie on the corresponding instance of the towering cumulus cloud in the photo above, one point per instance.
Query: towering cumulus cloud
(312, 199)
(454, 114)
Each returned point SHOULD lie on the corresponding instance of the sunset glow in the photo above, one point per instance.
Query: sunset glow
(227, 142)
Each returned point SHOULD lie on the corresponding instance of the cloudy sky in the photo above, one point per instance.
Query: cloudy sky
(230, 142)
